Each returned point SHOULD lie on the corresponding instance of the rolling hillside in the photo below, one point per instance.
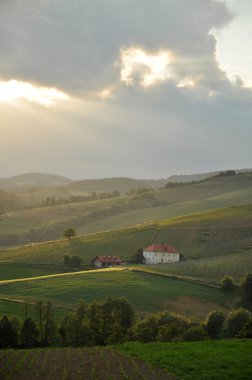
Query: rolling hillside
(46, 223)
(203, 239)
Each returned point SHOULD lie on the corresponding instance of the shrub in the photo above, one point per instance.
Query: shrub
(214, 324)
(236, 321)
(246, 287)
(195, 333)
(227, 284)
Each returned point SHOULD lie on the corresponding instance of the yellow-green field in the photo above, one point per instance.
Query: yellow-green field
(146, 292)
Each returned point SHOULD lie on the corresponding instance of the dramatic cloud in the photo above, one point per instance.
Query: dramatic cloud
(147, 96)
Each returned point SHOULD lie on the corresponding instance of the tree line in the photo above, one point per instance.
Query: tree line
(52, 201)
(114, 321)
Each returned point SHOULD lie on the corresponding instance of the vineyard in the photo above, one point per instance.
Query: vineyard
(203, 235)
(74, 364)
(209, 269)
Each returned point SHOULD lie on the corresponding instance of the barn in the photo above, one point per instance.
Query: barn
(107, 261)
(160, 254)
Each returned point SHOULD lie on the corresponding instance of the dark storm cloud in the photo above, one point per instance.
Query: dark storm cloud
(74, 44)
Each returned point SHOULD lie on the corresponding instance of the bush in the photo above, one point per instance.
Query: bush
(246, 287)
(195, 333)
(236, 321)
(246, 332)
(227, 284)
(214, 324)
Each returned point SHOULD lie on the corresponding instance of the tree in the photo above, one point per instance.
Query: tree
(195, 333)
(69, 233)
(67, 260)
(46, 324)
(227, 284)
(214, 323)
(8, 333)
(236, 320)
(246, 287)
(29, 333)
(76, 261)
(138, 257)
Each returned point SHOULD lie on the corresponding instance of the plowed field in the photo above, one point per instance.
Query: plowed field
(74, 364)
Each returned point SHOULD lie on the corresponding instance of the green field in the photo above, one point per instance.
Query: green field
(215, 360)
(204, 235)
(9, 271)
(147, 293)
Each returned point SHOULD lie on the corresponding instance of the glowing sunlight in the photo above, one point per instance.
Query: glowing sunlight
(13, 90)
(151, 69)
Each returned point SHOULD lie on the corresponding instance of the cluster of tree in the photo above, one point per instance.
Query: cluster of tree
(98, 323)
(30, 333)
(138, 257)
(72, 261)
(139, 191)
(114, 321)
(245, 288)
(52, 201)
(227, 173)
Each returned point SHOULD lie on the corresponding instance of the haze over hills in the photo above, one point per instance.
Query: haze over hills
(33, 179)
(121, 184)
(92, 213)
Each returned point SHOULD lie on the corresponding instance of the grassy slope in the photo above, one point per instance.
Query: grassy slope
(137, 287)
(202, 235)
(11, 271)
(215, 360)
(222, 192)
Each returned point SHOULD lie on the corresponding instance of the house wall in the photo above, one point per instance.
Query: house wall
(98, 264)
(160, 257)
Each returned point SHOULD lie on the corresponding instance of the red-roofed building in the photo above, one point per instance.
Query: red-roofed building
(160, 253)
(107, 261)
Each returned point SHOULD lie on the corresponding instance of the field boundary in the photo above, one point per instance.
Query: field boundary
(209, 283)
(28, 279)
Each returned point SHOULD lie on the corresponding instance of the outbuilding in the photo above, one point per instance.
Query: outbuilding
(107, 261)
(160, 254)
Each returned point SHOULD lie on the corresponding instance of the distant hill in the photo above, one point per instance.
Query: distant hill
(8, 202)
(33, 179)
(123, 185)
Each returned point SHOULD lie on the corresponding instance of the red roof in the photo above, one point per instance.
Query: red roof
(161, 248)
(108, 259)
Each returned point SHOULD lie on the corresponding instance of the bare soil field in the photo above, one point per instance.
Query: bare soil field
(74, 364)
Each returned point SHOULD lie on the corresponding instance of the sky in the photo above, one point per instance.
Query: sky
(125, 88)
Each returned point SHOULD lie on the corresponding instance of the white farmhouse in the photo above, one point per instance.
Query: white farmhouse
(160, 254)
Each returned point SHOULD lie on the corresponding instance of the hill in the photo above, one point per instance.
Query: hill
(203, 238)
(33, 179)
(8, 202)
(123, 185)
(46, 223)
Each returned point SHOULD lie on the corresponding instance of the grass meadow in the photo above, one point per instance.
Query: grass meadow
(215, 360)
(146, 292)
